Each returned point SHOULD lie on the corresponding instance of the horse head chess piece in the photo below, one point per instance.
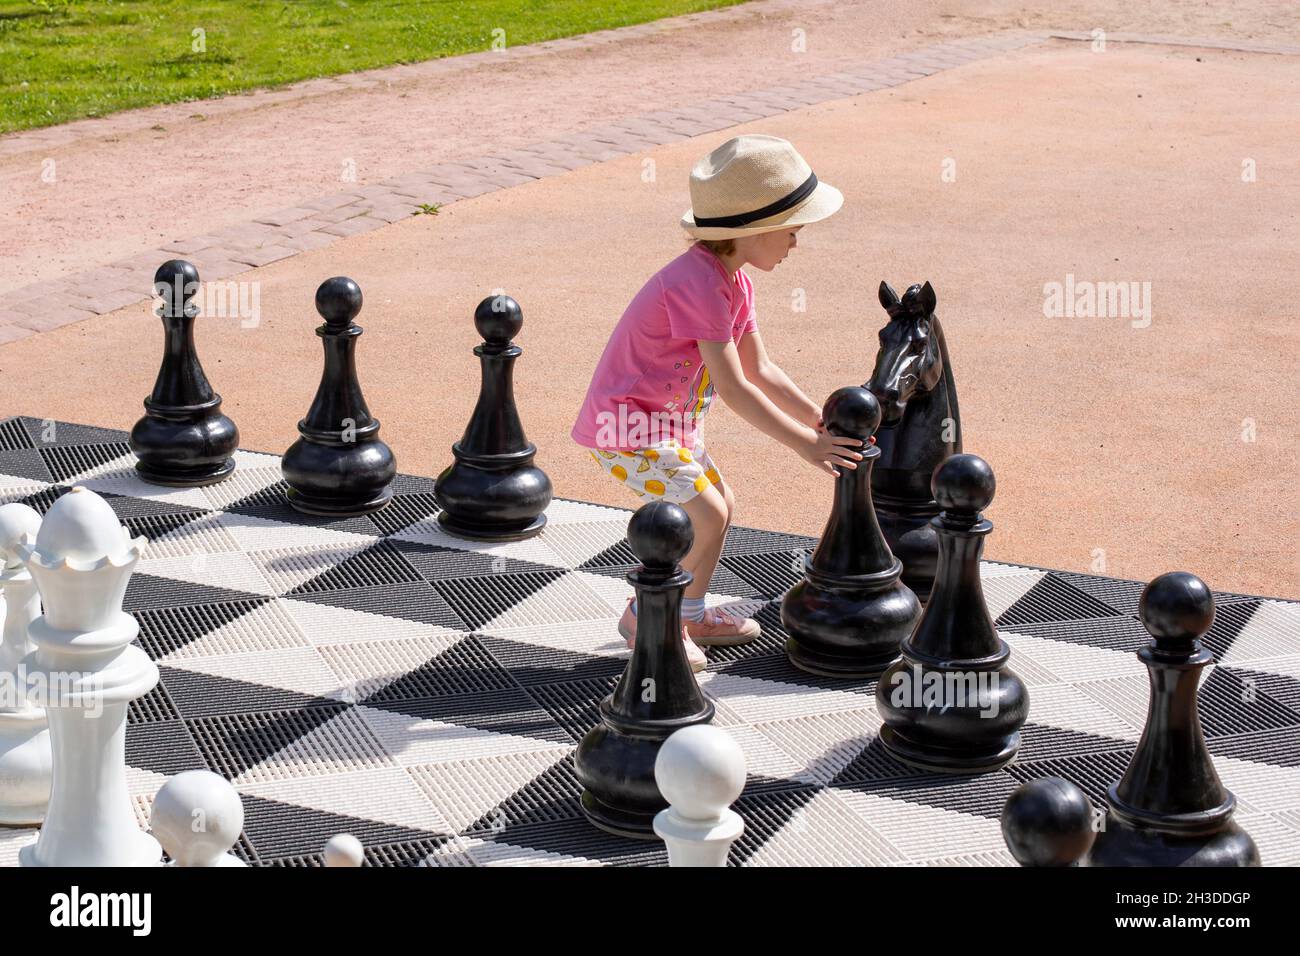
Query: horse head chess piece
(920, 427)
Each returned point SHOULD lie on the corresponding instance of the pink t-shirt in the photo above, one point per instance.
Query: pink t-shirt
(650, 384)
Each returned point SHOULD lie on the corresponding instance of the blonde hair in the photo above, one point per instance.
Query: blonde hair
(719, 247)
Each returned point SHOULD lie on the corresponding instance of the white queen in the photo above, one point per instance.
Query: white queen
(87, 671)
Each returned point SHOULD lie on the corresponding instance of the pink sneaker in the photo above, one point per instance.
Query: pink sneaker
(627, 630)
(694, 656)
(723, 627)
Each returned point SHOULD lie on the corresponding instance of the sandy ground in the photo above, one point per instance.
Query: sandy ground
(129, 183)
(1116, 448)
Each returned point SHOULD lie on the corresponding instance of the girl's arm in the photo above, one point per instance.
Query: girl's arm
(747, 400)
(774, 383)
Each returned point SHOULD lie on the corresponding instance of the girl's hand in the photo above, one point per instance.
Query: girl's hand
(821, 427)
(828, 451)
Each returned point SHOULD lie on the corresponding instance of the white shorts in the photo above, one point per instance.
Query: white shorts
(666, 470)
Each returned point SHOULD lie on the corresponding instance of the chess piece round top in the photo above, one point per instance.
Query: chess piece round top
(498, 319)
(700, 771)
(660, 534)
(338, 300)
(1048, 822)
(197, 817)
(344, 849)
(852, 411)
(81, 527)
(1176, 609)
(963, 484)
(176, 273)
(16, 520)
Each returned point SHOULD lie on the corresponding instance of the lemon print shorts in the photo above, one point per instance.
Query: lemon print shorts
(666, 470)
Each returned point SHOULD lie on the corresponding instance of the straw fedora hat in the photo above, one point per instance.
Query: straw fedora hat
(752, 184)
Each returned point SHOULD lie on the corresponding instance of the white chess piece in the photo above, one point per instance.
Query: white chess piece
(700, 771)
(25, 759)
(344, 850)
(197, 817)
(85, 670)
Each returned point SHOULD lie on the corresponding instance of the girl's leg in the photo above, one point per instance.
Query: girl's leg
(710, 514)
(729, 498)
(717, 626)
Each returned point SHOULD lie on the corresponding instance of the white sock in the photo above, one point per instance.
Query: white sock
(692, 609)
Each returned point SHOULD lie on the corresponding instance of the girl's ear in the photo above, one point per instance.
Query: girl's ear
(888, 297)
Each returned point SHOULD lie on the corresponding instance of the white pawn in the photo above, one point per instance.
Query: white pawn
(344, 850)
(700, 771)
(25, 759)
(197, 817)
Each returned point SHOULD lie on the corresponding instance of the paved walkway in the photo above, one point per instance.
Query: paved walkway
(320, 220)
(317, 221)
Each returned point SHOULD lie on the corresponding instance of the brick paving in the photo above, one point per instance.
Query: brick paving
(319, 221)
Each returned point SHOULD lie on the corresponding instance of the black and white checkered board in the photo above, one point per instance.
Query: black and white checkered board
(377, 677)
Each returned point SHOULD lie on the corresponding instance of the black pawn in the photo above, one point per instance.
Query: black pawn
(951, 704)
(339, 467)
(1048, 822)
(183, 438)
(850, 611)
(493, 491)
(657, 693)
(1170, 808)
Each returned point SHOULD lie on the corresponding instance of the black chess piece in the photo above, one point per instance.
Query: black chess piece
(1169, 808)
(493, 491)
(339, 466)
(951, 704)
(1048, 822)
(657, 694)
(183, 438)
(921, 426)
(848, 615)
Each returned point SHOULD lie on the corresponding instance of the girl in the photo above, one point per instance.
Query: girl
(690, 333)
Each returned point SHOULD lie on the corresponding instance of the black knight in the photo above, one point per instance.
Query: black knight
(920, 428)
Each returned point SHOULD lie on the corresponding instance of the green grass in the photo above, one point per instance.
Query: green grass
(63, 59)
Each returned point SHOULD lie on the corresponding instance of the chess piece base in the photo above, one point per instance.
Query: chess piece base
(847, 627)
(937, 760)
(474, 532)
(332, 508)
(25, 767)
(616, 760)
(184, 446)
(505, 501)
(1123, 845)
(624, 823)
(207, 476)
(141, 850)
(824, 664)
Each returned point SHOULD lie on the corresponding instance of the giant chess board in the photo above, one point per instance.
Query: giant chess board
(377, 677)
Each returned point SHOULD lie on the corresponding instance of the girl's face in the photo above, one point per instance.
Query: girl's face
(767, 249)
